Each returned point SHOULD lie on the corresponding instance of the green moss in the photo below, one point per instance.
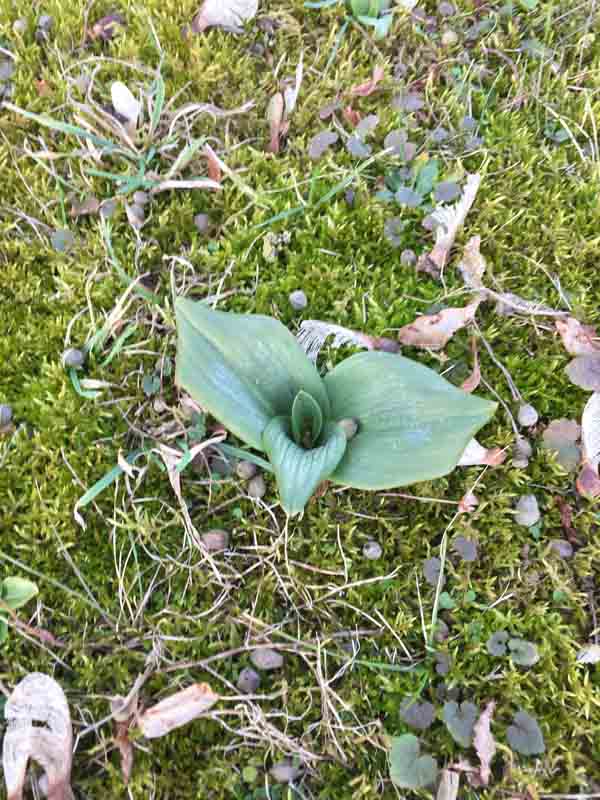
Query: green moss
(537, 216)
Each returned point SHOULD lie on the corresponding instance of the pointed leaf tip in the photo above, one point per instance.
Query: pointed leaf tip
(300, 471)
(412, 424)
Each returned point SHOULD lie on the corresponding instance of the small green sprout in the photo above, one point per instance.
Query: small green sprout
(376, 421)
(14, 593)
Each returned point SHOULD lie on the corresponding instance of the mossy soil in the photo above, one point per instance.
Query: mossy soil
(131, 582)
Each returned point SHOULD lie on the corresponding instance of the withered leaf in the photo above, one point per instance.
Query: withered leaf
(472, 264)
(449, 220)
(472, 382)
(590, 654)
(106, 27)
(228, 14)
(125, 104)
(484, 742)
(588, 482)
(176, 710)
(475, 454)
(448, 787)
(578, 339)
(367, 88)
(434, 331)
(590, 430)
(39, 728)
(584, 371)
(275, 112)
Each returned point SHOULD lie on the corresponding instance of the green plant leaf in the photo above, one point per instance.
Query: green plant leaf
(307, 419)
(408, 769)
(300, 471)
(412, 424)
(17, 591)
(525, 735)
(460, 721)
(3, 629)
(245, 369)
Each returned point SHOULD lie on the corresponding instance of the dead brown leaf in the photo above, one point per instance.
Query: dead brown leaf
(578, 339)
(106, 27)
(176, 710)
(275, 111)
(475, 455)
(450, 220)
(39, 728)
(448, 788)
(228, 14)
(123, 742)
(472, 264)
(434, 331)
(43, 88)
(214, 165)
(472, 382)
(352, 116)
(484, 742)
(588, 482)
(367, 88)
(468, 503)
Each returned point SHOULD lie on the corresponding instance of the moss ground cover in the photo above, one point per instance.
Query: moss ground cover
(134, 585)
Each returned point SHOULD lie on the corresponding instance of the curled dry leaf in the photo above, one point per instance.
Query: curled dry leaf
(229, 14)
(125, 746)
(313, 333)
(590, 654)
(449, 221)
(275, 111)
(468, 503)
(561, 437)
(39, 728)
(434, 331)
(106, 27)
(578, 339)
(590, 431)
(472, 382)
(367, 88)
(588, 482)
(176, 710)
(472, 264)
(352, 116)
(484, 742)
(584, 371)
(448, 786)
(475, 455)
(522, 452)
(125, 104)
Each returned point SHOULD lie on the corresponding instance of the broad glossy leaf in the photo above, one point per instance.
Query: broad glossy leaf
(243, 368)
(412, 424)
(300, 471)
(15, 592)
